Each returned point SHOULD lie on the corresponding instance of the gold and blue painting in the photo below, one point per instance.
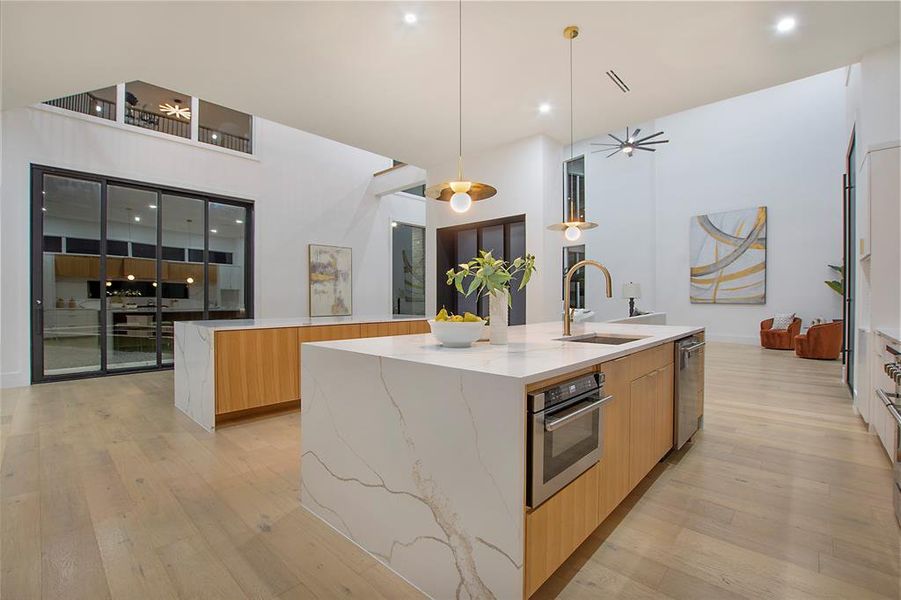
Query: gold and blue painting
(728, 257)
(331, 284)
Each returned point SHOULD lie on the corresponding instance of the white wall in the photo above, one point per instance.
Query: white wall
(524, 173)
(306, 189)
(782, 148)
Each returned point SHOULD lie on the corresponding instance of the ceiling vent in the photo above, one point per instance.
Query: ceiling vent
(618, 81)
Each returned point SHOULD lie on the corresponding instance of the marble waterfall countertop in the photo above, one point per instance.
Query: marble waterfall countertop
(417, 453)
(195, 362)
(223, 324)
(535, 351)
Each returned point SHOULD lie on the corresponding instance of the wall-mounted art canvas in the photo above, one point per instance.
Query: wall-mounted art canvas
(331, 281)
(728, 257)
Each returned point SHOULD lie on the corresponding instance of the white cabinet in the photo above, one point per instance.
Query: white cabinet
(231, 277)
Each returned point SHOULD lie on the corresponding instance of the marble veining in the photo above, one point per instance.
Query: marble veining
(421, 466)
(195, 393)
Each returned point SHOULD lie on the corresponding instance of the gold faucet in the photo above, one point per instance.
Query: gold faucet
(567, 317)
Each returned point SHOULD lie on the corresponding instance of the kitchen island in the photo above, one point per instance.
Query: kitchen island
(418, 453)
(232, 368)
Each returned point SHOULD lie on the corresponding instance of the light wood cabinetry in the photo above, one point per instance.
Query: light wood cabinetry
(614, 480)
(259, 368)
(76, 266)
(141, 268)
(557, 527)
(638, 432)
(252, 368)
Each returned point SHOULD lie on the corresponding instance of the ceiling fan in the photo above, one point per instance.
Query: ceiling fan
(629, 143)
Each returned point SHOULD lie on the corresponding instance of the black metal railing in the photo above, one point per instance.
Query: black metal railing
(87, 104)
(157, 122)
(224, 140)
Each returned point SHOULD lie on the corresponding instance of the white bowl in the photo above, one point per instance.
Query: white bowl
(459, 334)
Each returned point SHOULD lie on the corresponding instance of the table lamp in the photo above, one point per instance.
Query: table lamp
(632, 291)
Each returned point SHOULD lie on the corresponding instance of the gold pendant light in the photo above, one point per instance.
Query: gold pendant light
(573, 226)
(460, 193)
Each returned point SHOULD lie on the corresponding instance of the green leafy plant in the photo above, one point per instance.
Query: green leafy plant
(488, 274)
(838, 286)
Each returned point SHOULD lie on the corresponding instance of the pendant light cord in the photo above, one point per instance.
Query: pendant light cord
(460, 89)
(571, 114)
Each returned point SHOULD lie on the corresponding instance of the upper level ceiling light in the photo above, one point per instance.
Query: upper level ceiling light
(786, 25)
(410, 19)
(177, 111)
(573, 226)
(460, 193)
(544, 108)
(629, 143)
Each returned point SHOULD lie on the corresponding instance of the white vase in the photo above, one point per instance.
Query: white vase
(497, 313)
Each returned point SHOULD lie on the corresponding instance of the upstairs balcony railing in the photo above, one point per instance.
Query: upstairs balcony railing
(88, 104)
(225, 140)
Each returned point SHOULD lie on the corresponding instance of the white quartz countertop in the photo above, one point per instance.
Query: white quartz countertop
(534, 352)
(220, 324)
(892, 334)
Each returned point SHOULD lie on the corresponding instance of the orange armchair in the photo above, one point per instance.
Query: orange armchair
(779, 339)
(823, 342)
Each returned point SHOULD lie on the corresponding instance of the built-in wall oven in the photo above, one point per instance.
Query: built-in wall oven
(565, 434)
(891, 398)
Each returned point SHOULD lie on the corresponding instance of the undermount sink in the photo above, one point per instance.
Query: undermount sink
(596, 338)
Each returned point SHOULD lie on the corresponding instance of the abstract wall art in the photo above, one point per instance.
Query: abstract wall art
(728, 257)
(331, 281)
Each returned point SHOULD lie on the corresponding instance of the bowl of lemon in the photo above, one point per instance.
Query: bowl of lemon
(456, 331)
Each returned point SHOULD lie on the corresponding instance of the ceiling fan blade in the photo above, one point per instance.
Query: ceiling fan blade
(617, 139)
(657, 142)
(635, 134)
(602, 144)
(649, 137)
(615, 152)
(646, 149)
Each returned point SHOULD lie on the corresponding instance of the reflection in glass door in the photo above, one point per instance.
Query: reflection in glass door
(115, 264)
(66, 318)
(131, 282)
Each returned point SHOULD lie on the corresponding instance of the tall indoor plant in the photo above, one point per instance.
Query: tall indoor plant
(492, 277)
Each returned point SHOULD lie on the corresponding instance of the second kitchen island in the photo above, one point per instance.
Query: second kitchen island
(420, 454)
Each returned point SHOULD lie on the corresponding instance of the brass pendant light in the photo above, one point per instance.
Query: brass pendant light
(460, 193)
(573, 226)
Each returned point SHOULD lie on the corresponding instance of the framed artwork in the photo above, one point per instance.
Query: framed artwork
(331, 281)
(728, 257)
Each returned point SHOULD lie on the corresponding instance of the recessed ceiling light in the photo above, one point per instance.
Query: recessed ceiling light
(544, 108)
(137, 219)
(98, 108)
(786, 24)
(394, 223)
(410, 18)
(238, 221)
(215, 136)
(44, 208)
(214, 231)
(151, 206)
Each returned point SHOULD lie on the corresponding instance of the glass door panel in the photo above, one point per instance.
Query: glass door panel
(408, 269)
(227, 255)
(131, 282)
(183, 238)
(69, 336)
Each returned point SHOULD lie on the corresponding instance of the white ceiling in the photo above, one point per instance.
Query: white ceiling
(355, 72)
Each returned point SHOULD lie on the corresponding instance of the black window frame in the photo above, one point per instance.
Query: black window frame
(36, 246)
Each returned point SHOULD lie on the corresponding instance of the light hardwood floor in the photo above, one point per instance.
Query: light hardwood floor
(108, 491)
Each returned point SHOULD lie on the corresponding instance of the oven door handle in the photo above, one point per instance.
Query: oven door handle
(693, 347)
(576, 414)
(889, 405)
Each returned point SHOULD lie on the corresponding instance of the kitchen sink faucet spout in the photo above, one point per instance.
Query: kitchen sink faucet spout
(567, 318)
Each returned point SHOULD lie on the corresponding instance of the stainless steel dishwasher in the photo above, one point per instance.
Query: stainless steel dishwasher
(688, 387)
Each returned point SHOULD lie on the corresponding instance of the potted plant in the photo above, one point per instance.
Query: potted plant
(492, 277)
(838, 286)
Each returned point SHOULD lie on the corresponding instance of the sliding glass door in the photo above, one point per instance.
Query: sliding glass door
(116, 263)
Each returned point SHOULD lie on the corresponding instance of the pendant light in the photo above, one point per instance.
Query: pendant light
(573, 226)
(460, 193)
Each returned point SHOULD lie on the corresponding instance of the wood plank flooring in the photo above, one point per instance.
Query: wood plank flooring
(107, 491)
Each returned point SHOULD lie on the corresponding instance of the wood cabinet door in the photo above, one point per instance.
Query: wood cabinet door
(664, 421)
(557, 527)
(642, 430)
(247, 372)
(613, 475)
(141, 268)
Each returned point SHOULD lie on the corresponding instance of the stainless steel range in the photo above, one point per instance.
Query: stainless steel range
(891, 398)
